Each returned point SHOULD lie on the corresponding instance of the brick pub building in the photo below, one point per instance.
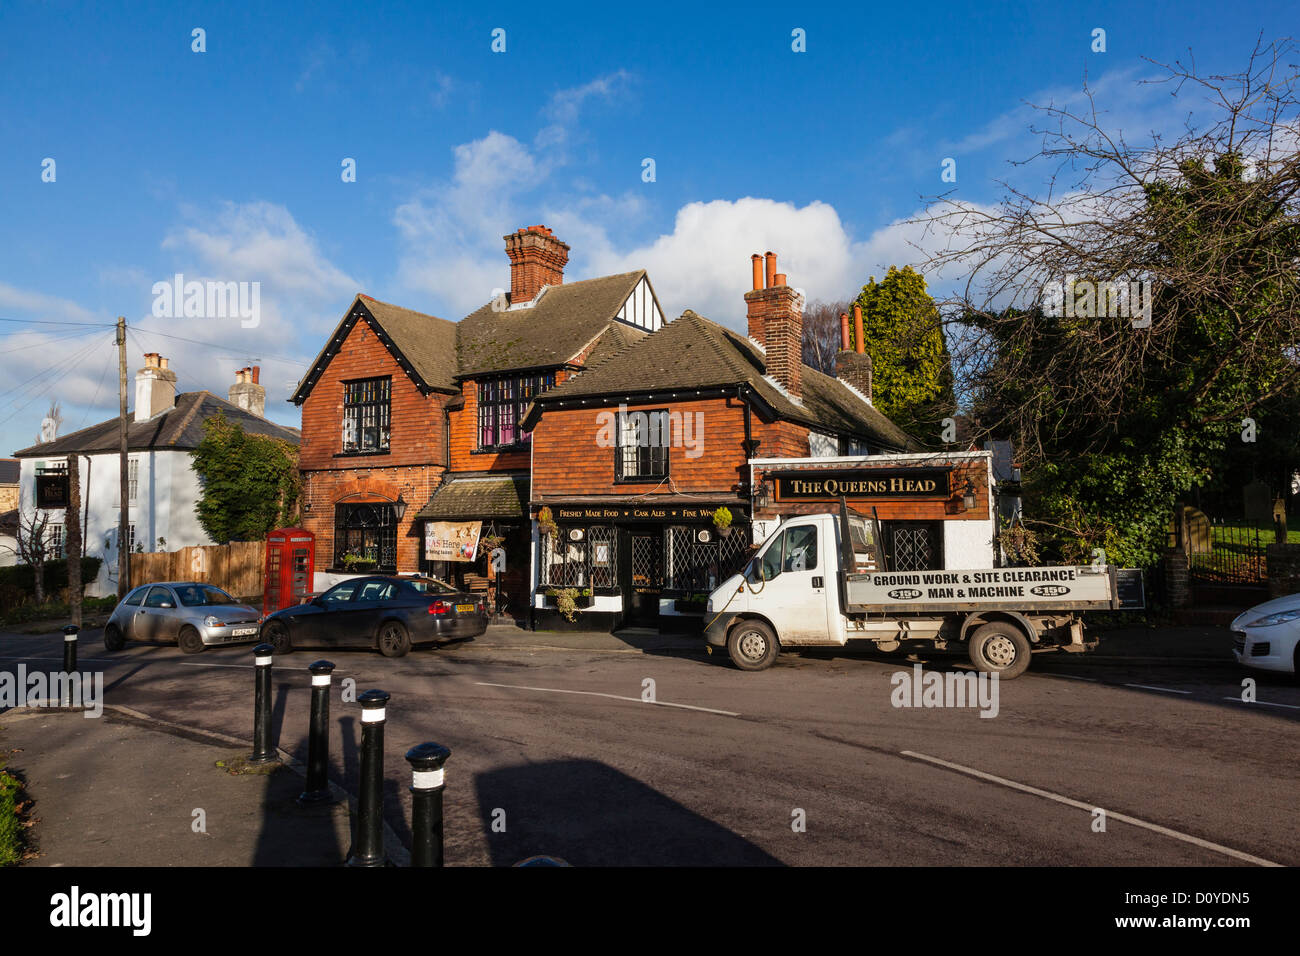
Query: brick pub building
(410, 419)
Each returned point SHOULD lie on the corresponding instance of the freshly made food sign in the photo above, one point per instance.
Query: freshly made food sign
(910, 483)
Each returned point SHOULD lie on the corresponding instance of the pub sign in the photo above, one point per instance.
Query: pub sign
(863, 483)
(52, 491)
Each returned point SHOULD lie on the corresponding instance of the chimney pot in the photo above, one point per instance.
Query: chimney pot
(780, 278)
(756, 261)
(844, 331)
(771, 269)
(860, 346)
(257, 374)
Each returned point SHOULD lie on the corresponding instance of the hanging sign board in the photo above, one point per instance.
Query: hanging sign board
(52, 490)
(451, 540)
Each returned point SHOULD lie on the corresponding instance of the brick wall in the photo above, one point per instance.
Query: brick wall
(322, 490)
(417, 420)
(568, 461)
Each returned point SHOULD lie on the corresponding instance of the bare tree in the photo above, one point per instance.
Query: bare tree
(821, 334)
(1211, 222)
(33, 546)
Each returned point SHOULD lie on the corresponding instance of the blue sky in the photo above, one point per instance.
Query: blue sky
(226, 164)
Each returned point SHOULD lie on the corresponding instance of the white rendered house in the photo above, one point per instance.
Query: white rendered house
(163, 488)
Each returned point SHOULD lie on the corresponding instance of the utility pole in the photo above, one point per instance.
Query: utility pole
(123, 539)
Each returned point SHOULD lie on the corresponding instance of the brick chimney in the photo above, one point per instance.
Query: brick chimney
(155, 387)
(537, 259)
(854, 368)
(776, 321)
(247, 392)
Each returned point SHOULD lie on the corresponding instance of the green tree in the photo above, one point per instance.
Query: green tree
(250, 482)
(911, 372)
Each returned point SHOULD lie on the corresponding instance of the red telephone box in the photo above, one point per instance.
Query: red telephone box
(290, 563)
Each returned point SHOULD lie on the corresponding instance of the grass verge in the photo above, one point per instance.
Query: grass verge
(11, 827)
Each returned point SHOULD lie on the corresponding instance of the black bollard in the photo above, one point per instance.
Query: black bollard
(69, 663)
(318, 739)
(368, 834)
(263, 752)
(426, 762)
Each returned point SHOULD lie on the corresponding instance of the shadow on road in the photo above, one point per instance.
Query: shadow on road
(590, 814)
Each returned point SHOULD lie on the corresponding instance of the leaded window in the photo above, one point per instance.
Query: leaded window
(643, 440)
(367, 406)
(580, 558)
(699, 559)
(365, 537)
(502, 403)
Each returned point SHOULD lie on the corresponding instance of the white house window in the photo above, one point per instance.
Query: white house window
(54, 534)
(130, 535)
(132, 478)
(643, 440)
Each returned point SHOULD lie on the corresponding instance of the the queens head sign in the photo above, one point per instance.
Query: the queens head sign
(877, 483)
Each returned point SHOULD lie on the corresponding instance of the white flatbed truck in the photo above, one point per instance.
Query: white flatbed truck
(815, 583)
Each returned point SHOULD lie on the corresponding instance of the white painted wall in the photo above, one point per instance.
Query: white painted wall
(166, 491)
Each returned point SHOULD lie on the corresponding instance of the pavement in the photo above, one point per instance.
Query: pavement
(552, 730)
(125, 789)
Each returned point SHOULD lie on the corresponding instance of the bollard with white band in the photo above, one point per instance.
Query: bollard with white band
(69, 662)
(427, 785)
(318, 737)
(368, 833)
(263, 752)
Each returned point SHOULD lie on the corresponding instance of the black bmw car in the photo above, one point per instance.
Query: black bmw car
(386, 612)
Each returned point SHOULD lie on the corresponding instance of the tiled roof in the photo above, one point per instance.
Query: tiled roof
(564, 320)
(180, 427)
(694, 352)
(427, 342)
(503, 496)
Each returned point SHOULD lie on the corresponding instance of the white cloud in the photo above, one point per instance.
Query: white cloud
(43, 306)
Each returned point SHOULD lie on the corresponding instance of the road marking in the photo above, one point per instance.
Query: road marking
(1163, 690)
(593, 693)
(1080, 805)
(1264, 703)
(1091, 680)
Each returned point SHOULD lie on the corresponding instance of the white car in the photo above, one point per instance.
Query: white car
(1268, 635)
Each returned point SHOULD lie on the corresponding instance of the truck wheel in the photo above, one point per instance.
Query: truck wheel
(1000, 648)
(752, 646)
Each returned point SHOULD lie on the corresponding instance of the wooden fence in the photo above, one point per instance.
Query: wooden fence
(236, 567)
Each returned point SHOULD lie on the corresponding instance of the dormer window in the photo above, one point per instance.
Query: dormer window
(366, 415)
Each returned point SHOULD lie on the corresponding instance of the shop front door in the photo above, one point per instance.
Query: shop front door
(642, 572)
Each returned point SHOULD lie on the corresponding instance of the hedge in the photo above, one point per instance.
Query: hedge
(18, 582)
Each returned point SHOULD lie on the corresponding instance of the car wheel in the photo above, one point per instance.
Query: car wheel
(190, 641)
(393, 639)
(1000, 648)
(752, 646)
(113, 639)
(277, 635)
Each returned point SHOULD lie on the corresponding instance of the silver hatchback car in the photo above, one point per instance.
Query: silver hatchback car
(189, 613)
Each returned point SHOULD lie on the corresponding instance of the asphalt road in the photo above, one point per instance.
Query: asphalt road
(555, 751)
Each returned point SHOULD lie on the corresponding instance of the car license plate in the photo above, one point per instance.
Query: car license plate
(243, 631)
(465, 608)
